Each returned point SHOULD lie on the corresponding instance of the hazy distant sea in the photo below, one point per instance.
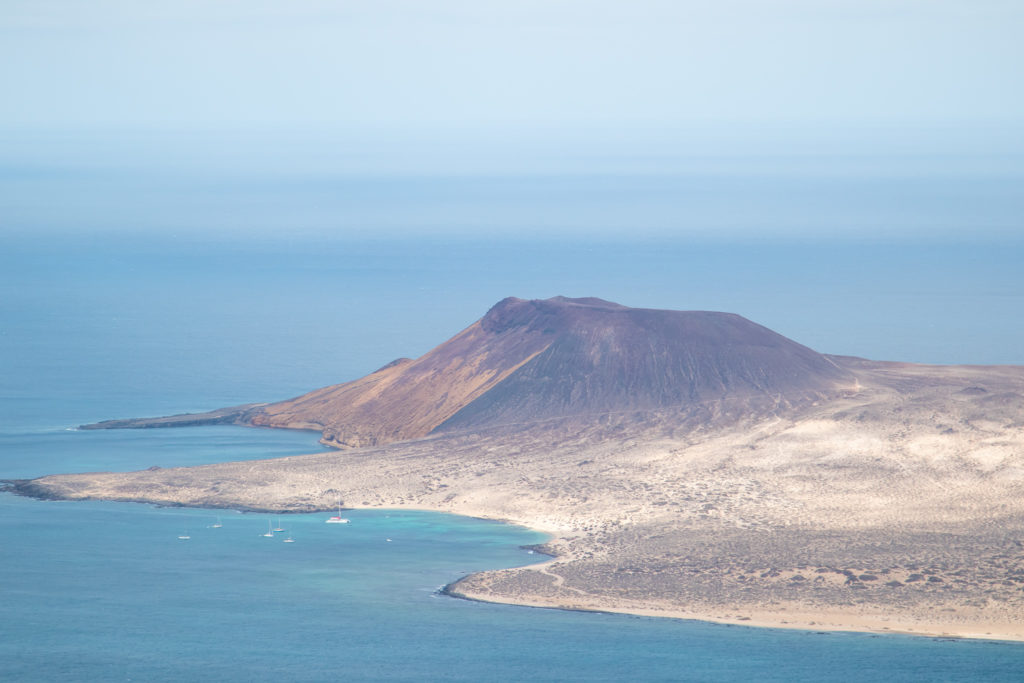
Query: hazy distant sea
(97, 328)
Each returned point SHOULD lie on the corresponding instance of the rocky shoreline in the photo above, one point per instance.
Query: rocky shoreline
(233, 415)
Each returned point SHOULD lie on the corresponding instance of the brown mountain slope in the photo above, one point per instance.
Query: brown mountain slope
(408, 398)
(608, 358)
(526, 361)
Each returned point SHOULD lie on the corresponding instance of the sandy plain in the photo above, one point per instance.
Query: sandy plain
(895, 507)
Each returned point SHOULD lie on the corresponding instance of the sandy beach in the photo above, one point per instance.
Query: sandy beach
(789, 616)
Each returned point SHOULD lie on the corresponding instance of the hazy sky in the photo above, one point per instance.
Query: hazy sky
(887, 129)
(416, 63)
(186, 99)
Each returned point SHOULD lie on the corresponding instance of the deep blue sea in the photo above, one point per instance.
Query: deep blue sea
(102, 328)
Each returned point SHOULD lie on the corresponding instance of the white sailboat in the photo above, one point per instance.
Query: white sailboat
(278, 527)
(289, 539)
(337, 519)
(270, 532)
(217, 524)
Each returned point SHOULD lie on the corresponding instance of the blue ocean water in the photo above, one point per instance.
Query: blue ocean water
(97, 591)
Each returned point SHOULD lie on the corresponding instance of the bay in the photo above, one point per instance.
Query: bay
(106, 591)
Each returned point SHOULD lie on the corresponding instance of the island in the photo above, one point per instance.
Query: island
(685, 464)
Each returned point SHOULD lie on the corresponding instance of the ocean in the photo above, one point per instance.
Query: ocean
(108, 327)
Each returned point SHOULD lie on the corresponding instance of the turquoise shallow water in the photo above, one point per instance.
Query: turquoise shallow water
(97, 591)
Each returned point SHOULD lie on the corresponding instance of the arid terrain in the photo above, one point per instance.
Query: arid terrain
(778, 487)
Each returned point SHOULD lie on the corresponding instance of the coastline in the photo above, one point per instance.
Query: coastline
(783, 616)
(814, 622)
(791, 616)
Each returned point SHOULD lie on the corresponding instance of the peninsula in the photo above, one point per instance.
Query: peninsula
(685, 463)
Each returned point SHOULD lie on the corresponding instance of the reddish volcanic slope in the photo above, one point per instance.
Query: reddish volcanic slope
(409, 398)
(526, 361)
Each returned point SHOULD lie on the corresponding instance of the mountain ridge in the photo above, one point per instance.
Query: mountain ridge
(530, 360)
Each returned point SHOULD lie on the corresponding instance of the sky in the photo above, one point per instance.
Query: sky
(847, 172)
(528, 64)
(733, 119)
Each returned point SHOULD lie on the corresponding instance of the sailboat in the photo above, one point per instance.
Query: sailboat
(278, 527)
(337, 519)
(270, 532)
(184, 536)
(289, 539)
(217, 524)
